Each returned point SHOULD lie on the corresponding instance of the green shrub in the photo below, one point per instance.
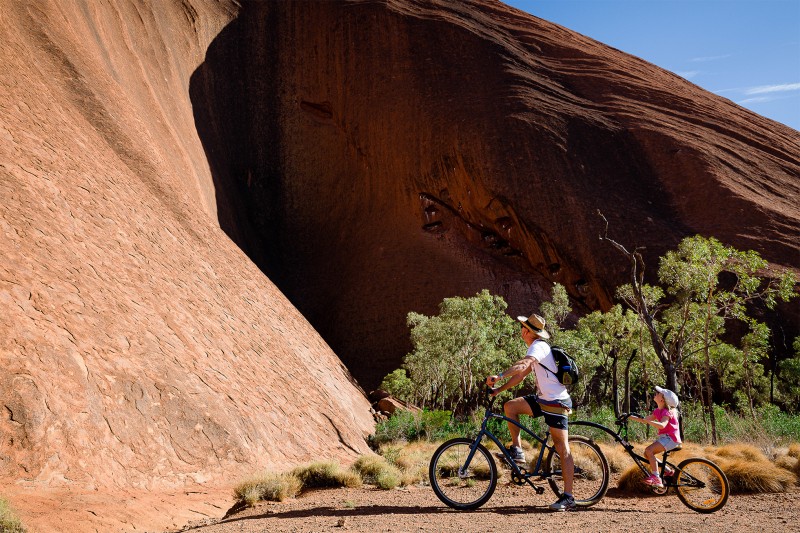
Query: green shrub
(779, 424)
(770, 425)
(9, 523)
(422, 425)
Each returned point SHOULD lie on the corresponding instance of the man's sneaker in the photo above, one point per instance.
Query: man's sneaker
(516, 453)
(564, 503)
(654, 481)
(668, 472)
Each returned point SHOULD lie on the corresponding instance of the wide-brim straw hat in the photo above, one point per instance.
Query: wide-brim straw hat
(536, 324)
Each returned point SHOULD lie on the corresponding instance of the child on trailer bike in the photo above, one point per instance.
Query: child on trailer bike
(554, 402)
(665, 418)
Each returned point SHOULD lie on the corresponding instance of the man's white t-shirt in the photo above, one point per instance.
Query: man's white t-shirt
(547, 383)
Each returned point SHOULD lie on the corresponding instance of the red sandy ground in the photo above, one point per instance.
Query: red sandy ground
(511, 509)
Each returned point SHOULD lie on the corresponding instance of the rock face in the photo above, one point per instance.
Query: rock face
(370, 157)
(139, 347)
(376, 157)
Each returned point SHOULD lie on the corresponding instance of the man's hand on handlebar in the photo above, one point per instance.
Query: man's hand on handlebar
(491, 380)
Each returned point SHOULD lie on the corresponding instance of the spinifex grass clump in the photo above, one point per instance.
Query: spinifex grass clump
(794, 450)
(412, 459)
(632, 478)
(749, 470)
(618, 460)
(376, 470)
(280, 486)
(632, 481)
(268, 487)
(9, 523)
(326, 474)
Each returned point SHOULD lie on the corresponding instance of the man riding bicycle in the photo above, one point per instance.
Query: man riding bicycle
(553, 402)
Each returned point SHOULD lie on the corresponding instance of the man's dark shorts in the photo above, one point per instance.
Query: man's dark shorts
(555, 412)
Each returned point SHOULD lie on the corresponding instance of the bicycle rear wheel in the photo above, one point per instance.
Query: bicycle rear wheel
(590, 482)
(701, 485)
(459, 485)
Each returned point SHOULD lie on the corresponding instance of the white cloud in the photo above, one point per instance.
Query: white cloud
(755, 100)
(773, 88)
(708, 58)
(688, 74)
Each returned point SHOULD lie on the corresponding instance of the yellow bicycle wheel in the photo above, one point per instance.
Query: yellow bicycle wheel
(701, 485)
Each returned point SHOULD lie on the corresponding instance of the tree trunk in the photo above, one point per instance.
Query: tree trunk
(671, 372)
(709, 388)
(705, 410)
(749, 386)
(710, 400)
(614, 381)
(627, 402)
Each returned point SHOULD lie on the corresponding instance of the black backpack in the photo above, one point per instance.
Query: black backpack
(566, 370)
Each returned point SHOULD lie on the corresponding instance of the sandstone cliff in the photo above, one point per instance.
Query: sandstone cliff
(371, 157)
(139, 347)
(377, 157)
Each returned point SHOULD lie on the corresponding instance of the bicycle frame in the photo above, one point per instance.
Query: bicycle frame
(520, 472)
(464, 473)
(640, 460)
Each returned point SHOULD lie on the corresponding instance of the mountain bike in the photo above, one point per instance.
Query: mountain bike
(699, 483)
(464, 475)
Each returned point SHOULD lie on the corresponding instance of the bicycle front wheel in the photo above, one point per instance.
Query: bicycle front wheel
(701, 485)
(590, 480)
(459, 484)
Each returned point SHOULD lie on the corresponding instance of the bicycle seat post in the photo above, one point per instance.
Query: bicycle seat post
(664, 458)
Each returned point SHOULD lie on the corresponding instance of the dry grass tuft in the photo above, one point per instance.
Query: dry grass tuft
(631, 481)
(9, 523)
(412, 460)
(743, 451)
(268, 487)
(790, 460)
(376, 470)
(787, 462)
(326, 474)
(794, 450)
(756, 476)
(618, 459)
(689, 449)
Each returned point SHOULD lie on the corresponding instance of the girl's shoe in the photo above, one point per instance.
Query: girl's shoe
(654, 481)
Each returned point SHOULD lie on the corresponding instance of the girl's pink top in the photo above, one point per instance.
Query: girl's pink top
(671, 428)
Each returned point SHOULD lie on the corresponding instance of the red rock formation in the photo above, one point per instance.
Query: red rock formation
(380, 156)
(371, 157)
(139, 347)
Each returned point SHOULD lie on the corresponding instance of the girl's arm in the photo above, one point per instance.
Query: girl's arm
(651, 420)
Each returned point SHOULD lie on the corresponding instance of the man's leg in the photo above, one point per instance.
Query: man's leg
(560, 437)
(512, 409)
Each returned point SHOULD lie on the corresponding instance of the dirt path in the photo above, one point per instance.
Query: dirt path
(511, 509)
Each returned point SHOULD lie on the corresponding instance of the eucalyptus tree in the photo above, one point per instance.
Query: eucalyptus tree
(454, 351)
(707, 285)
(711, 284)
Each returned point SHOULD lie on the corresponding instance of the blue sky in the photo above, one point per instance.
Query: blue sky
(745, 50)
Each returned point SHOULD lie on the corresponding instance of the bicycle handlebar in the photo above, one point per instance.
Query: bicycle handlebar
(487, 392)
(625, 416)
